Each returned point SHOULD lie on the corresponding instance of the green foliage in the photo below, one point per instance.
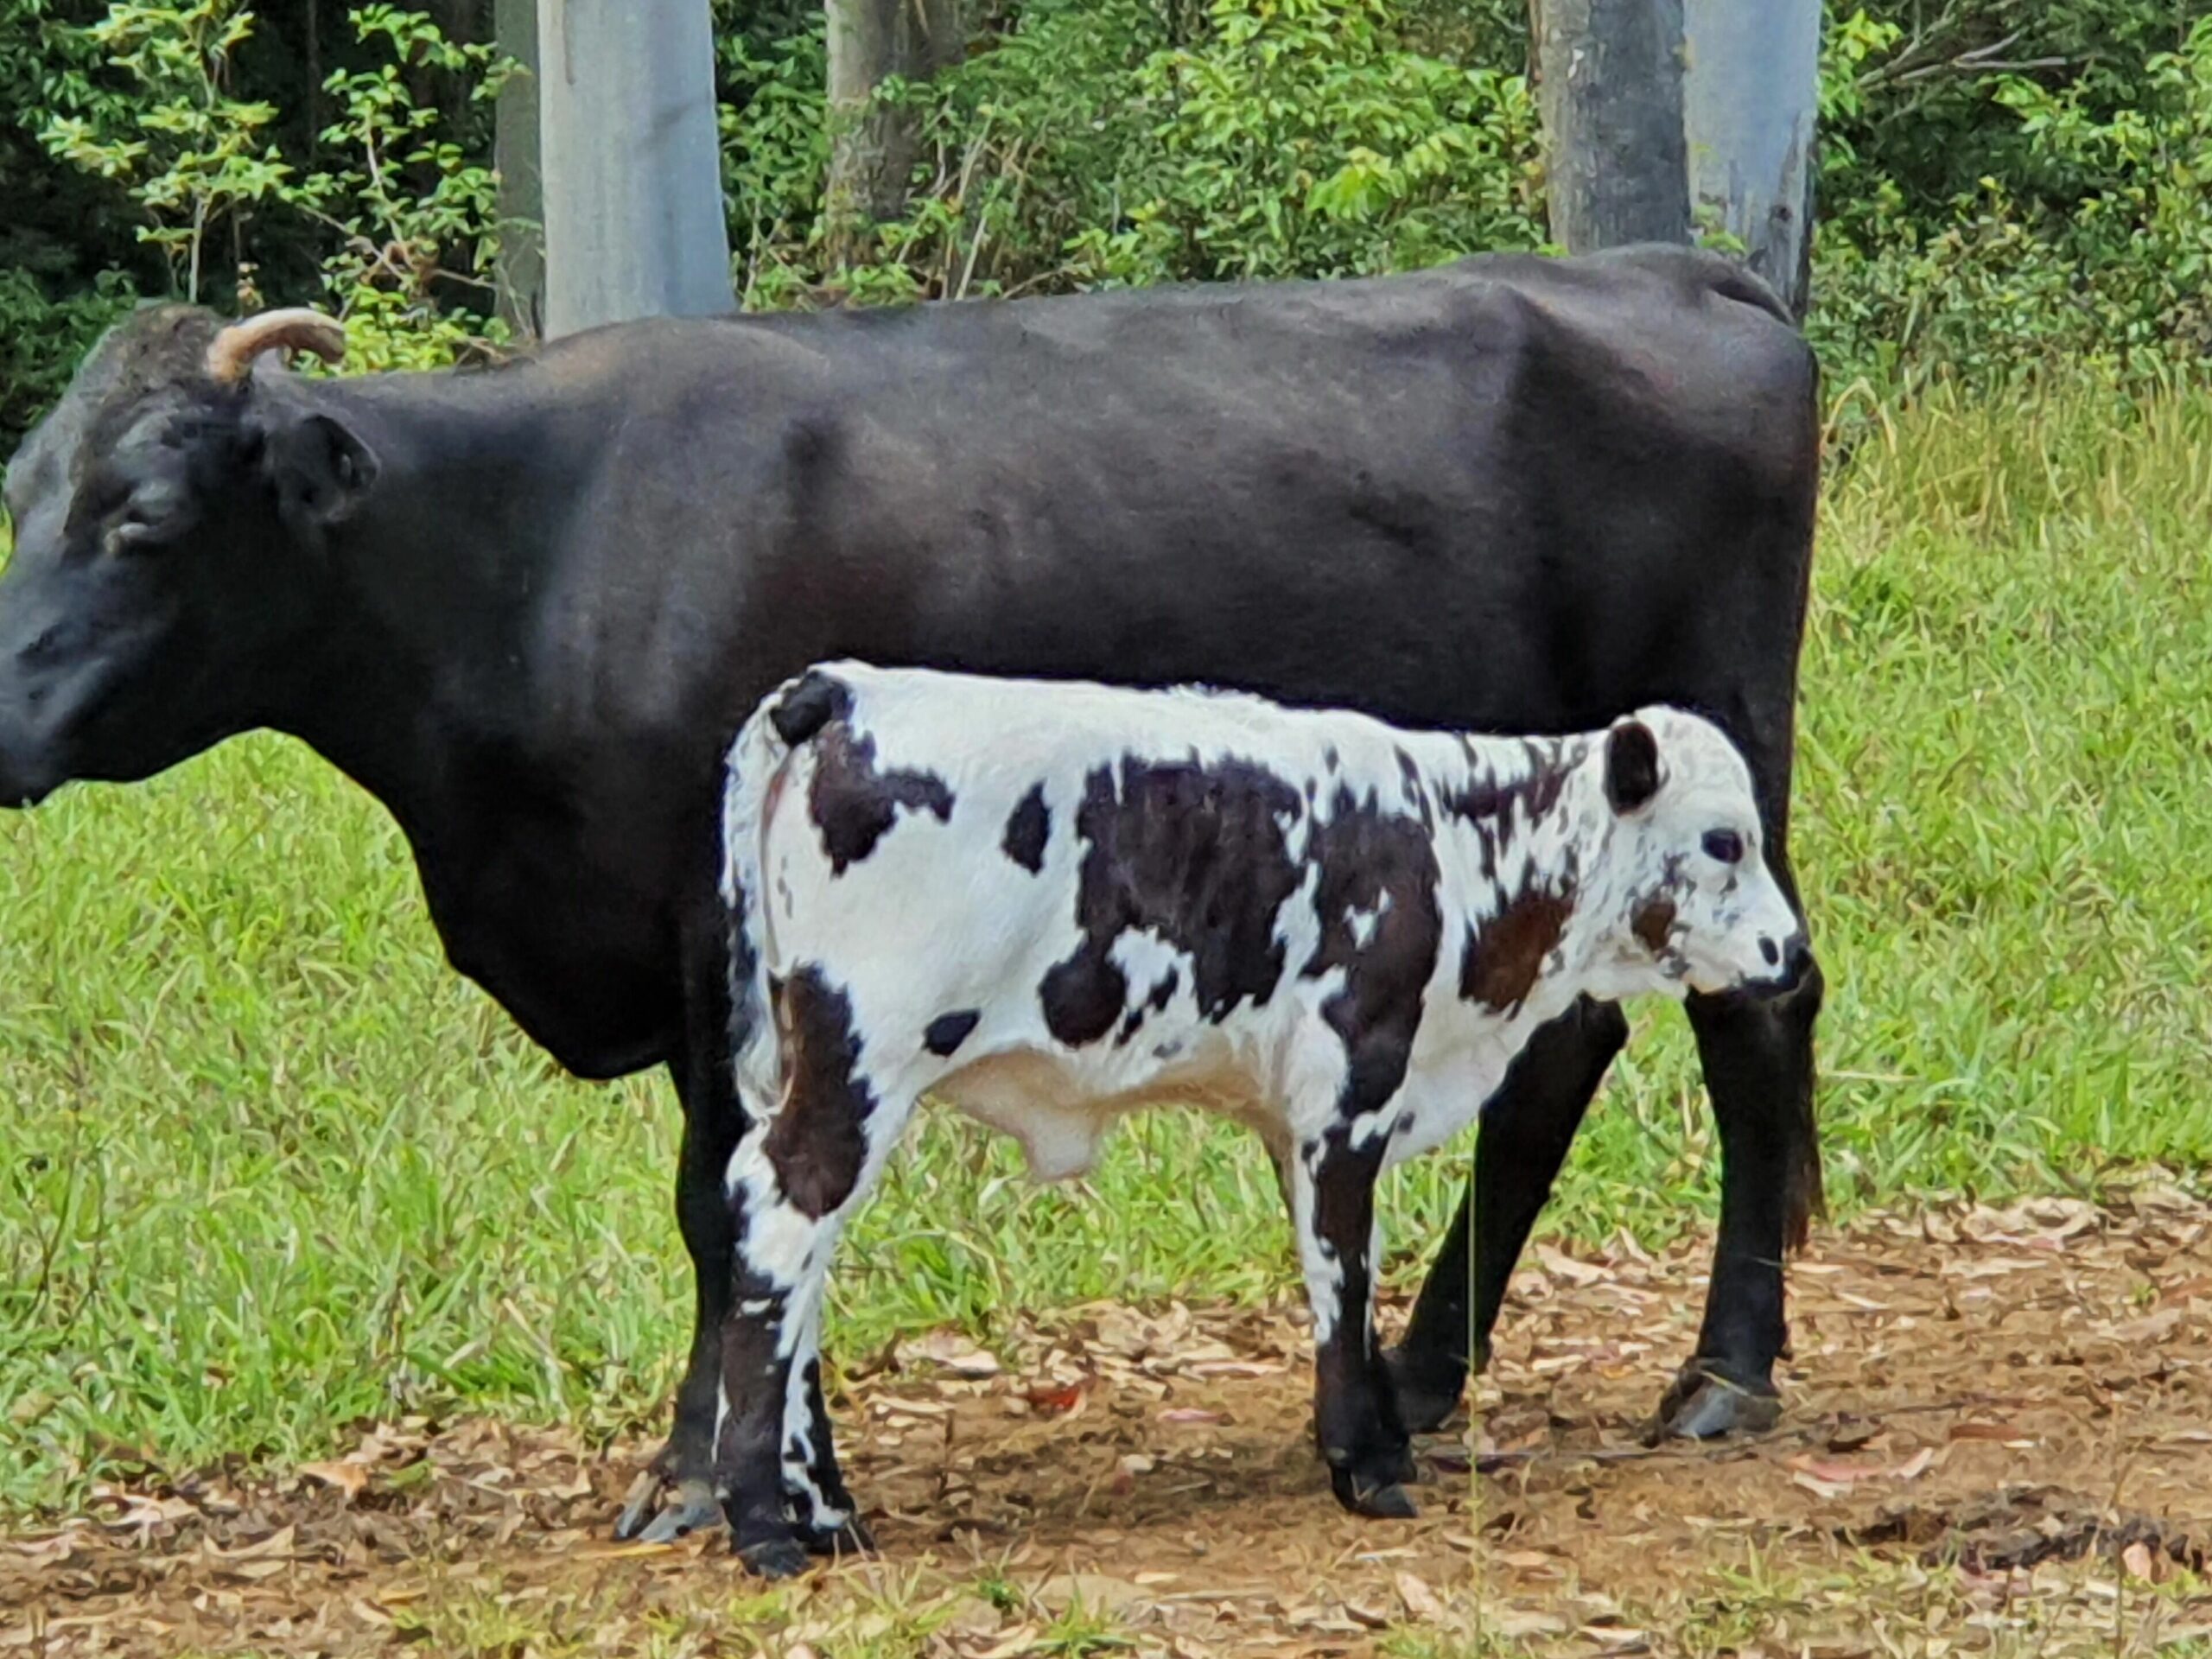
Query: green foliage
(42, 338)
(416, 214)
(2006, 189)
(400, 210)
(1303, 138)
(196, 160)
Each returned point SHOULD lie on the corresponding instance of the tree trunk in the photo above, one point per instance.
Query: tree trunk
(872, 151)
(1612, 99)
(1665, 118)
(519, 277)
(634, 225)
(1750, 92)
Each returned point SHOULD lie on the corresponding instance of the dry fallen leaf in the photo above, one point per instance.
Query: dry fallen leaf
(1420, 1600)
(951, 1351)
(348, 1477)
(1191, 1414)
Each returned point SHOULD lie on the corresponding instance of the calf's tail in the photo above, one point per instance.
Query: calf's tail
(787, 717)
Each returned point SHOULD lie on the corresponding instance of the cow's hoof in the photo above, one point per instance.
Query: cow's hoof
(1428, 1390)
(691, 1507)
(1386, 1500)
(775, 1558)
(1702, 1405)
(852, 1538)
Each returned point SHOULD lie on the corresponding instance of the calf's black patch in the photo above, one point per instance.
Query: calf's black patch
(854, 804)
(1028, 827)
(1374, 861)
(817, 700)
(819, 1140)
(1194, 853)
(947, 1032)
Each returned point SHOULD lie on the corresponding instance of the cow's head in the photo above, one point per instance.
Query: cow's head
(1692, 905)
(155, 590)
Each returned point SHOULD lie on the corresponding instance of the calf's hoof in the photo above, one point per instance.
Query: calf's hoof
(775, 1558)
(1701, 1404)
(852, 1538)
(691, 1505)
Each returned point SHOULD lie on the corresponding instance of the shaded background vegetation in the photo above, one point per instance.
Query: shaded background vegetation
(2004, 186)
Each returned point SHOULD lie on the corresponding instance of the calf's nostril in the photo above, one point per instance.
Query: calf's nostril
(1768, 950)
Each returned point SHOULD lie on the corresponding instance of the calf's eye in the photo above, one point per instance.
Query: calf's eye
(1724, 844)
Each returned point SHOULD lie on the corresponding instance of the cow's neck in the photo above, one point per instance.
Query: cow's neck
(420, 667)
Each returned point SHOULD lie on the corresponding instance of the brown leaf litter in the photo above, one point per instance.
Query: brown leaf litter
(2010, 1409)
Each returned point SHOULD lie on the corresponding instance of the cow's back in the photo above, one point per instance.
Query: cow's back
(1511, 494)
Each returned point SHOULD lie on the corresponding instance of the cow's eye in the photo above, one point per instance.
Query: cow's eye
(1725, 845)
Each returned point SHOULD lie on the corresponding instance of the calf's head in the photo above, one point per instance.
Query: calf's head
(1691, 905)
(155, 591)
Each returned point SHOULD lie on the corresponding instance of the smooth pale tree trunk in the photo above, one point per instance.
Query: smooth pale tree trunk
(627, 148)
(1750, 92)
(520, 277)
(1664, 120)
(873, 150)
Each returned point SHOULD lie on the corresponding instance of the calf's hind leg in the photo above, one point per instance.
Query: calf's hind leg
(798, 1171)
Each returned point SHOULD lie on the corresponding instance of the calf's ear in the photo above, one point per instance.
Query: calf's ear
(1631, 766)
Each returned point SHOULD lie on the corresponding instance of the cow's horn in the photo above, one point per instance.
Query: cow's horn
(231, 352)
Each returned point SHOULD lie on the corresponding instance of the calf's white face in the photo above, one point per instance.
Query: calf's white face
(1697, 909)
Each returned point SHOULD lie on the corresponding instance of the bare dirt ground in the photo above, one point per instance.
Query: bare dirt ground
(1999, 1438)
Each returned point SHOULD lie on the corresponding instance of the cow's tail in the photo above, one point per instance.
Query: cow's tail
(758, 763)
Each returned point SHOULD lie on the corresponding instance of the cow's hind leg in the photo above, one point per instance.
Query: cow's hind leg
(675, 1495)
(1527, 1129)
(1355, 1412)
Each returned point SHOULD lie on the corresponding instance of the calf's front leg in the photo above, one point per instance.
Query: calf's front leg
(1355, 1408)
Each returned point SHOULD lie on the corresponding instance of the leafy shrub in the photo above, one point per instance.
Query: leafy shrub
(403, 220)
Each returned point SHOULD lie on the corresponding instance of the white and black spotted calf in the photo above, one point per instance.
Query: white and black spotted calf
(1049, 903)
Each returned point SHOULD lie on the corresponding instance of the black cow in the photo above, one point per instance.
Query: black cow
(526, 607)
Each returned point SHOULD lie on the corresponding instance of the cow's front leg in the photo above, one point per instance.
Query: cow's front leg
(1355, 1409)
(1759, 1065)
(1526, 1129)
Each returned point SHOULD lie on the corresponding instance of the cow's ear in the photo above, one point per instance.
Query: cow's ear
(321, 467)
(1631, 766)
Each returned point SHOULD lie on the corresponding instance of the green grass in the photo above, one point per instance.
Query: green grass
(267, 1167)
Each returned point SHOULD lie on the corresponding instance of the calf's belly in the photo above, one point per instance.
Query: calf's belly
(1060, 1107)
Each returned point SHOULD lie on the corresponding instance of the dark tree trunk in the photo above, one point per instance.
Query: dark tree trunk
(872, 151)
(520, 274)
(1664, 120)
(1611, 97)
